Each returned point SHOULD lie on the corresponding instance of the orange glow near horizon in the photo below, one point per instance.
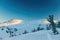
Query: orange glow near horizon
(11, 22)
(15, 21)
(47, 22)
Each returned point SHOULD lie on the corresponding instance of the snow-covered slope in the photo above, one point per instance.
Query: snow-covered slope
(29, 26)
(40, 35)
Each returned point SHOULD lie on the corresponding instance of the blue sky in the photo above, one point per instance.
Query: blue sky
(29, 9)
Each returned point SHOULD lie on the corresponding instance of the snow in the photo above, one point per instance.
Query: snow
(31, 36)
(39, 35)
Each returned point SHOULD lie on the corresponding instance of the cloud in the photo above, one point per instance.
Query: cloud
(16, 21)
(45, 21)
(11, 22)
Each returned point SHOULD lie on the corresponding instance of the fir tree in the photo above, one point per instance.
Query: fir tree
(51, 20)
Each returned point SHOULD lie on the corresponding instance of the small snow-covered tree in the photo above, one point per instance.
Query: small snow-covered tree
(58, 24)
(38, 28)
(11, 31)
(25, 32)
(34, 30)
(48, 27)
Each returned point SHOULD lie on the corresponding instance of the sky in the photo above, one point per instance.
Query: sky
(29, 9)
(31, 12)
